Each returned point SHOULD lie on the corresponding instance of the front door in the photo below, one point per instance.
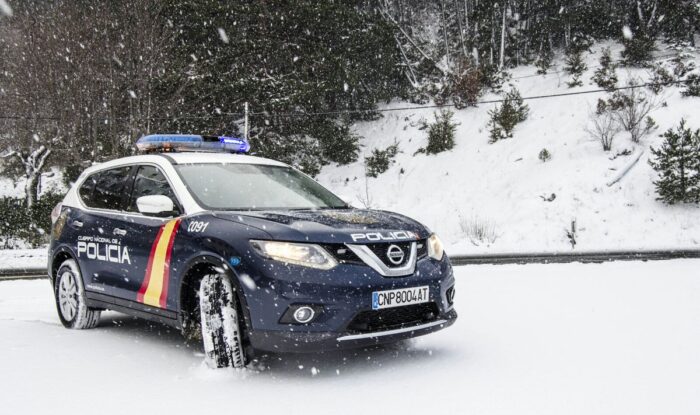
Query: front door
(150, 242)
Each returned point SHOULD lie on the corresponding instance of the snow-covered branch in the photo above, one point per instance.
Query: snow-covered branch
(33, 164)
(384, 11)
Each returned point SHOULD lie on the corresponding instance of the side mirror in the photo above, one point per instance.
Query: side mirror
(155, 205)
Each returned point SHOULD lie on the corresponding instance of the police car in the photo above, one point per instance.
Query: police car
(241, 253)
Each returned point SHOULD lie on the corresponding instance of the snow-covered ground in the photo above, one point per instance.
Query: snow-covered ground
(500, 187)
(614, 338)
(23, 258)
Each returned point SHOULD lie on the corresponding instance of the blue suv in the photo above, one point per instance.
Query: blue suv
(241, 253)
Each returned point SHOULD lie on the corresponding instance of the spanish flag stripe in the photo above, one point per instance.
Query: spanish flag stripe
(158, 271)
(166, 271)
(147, 277)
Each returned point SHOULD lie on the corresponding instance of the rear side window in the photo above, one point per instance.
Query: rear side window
(150, 181)
(107, 188)
(86, 190)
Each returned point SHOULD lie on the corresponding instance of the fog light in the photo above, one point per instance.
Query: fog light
(304, 314)
(301, 314)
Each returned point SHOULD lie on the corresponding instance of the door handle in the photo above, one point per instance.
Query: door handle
(119, 231)
(77, 224)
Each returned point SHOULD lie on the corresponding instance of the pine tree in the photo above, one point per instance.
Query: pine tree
(605, 76)
(575, 66)
(441, 134)
(507, 116)
(692, 86)
(678, 164)
(639, 49)
(661, 77)
(380, 160)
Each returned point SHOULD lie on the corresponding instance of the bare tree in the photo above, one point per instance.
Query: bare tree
(631, 108)
(603, 127)
(502, 53)
(83, 76)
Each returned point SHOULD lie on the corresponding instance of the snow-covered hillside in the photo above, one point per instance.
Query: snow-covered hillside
(500, 187)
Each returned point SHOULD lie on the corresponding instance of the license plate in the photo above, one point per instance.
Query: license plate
(399, 297)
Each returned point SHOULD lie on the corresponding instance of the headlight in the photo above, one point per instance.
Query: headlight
(435, 248)
(307, 255)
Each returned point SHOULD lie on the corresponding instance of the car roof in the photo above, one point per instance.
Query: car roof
(195, 158)
(185, 158)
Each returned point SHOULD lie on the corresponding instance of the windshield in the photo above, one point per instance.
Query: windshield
(236, 186)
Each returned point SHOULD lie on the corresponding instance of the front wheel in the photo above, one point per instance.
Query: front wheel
(71, 301)
(221, 331)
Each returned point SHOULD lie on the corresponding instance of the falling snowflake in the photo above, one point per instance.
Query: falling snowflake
(5, 8)
(627, 32)
(132, 94)
(248, 281)
(223, 35)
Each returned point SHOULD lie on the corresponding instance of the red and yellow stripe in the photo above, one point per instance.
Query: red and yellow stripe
(154, 290)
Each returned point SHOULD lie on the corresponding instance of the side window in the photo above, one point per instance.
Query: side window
(150, 181)
(104, 189)
(86, 190)
(109, 188)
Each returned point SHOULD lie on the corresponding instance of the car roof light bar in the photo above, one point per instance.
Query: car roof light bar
(164, 143)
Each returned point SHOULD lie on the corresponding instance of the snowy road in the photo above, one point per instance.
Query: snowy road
(610, 338)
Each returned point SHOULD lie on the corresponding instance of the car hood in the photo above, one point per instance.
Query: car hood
(331, 225)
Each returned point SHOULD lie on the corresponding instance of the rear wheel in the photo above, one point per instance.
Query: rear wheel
(221, 331)
(71, 302)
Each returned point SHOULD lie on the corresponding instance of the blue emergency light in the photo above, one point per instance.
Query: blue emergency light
(188, 142)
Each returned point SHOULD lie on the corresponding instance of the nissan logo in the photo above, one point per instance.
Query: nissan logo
(395, 254)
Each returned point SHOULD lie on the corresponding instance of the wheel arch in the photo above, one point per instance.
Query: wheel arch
(195, 269)
(60, 255)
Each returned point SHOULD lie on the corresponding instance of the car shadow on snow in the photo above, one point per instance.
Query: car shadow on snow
(133, 327)
(286, 365)
(342, 362)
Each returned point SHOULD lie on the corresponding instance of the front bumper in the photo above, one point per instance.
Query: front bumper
(306, 342)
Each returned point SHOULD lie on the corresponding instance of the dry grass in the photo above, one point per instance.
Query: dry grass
(478, 230)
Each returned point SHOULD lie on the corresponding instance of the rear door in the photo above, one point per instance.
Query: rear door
(100, 252)
(150, 241)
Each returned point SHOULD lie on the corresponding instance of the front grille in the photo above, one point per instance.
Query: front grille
(393, 318)
(381, 251)
(345, 256)
(342, 254)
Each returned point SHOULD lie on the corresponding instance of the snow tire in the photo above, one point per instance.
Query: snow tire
(71, 302)
(221, 330)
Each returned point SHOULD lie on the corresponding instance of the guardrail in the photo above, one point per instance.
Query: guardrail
(493, 259)
(565, 257)
(23, 273)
